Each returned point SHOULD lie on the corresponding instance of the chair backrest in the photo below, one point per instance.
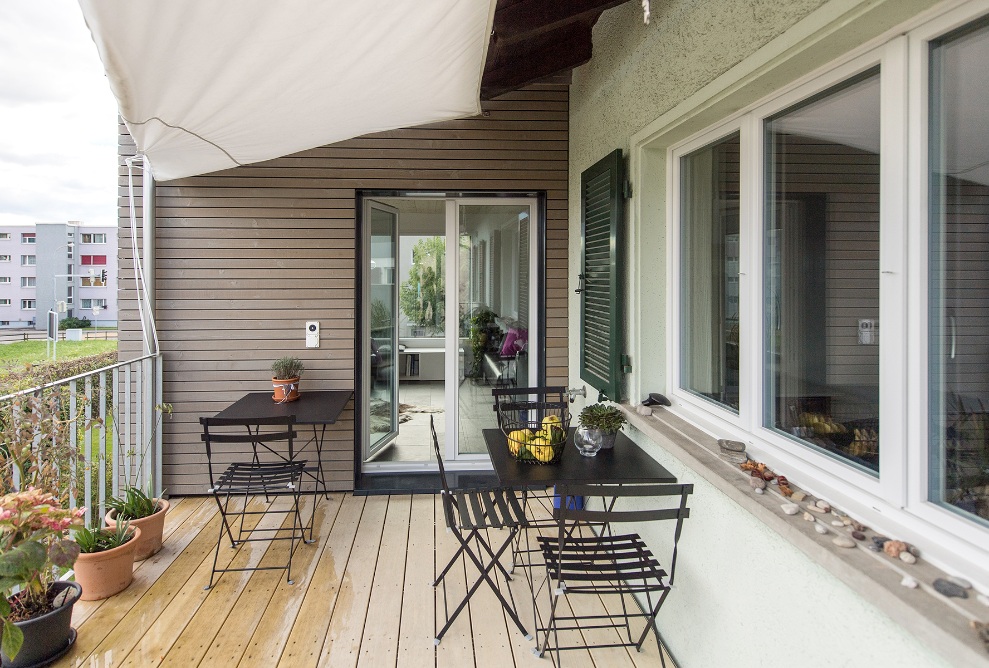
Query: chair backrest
(229, 440)
(447, 493)
(613, 510)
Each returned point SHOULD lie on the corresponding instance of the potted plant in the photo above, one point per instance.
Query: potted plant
(143, 512)
(606, 419)
(106, 560)
(286, 372)
(36, 620)
(139, 507)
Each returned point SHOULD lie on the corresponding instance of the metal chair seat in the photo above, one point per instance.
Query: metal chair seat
(601, 561)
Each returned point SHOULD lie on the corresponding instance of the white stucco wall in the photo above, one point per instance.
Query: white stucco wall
(745, 595)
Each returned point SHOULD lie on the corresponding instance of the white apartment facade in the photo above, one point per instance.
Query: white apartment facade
(44, 264)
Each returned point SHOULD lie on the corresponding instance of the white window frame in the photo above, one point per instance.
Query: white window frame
(28, 281)
(29, 301)
(901, 494)
(4, 280)
(29, 238)
(94, 238)
(4, 236)
(5, 258)
(29, 260)
(4, 302)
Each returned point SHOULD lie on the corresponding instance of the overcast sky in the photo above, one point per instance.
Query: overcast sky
(58, 122)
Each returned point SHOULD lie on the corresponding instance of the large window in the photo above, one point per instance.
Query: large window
(90, 303)
(26, 281)
(709, 260)
(29, 260)
(821, 271)
(27, 304)
(96, 260)
(28, 238)
(959, 271)
(855, 198)
(94, 238)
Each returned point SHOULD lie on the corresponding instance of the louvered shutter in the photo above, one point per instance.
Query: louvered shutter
(601, 322)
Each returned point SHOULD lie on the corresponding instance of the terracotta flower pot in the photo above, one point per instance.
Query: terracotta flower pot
(152, 527)
(47, 637)
(103, 574)
(286, 389)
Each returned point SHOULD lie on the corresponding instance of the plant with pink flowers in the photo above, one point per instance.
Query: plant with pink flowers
(33, 542)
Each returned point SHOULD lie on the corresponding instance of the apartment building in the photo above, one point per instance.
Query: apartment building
(45, 264)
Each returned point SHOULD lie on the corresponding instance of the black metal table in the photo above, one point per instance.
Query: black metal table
(625, 463)
(318, 408)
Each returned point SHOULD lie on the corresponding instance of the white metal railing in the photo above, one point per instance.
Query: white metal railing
(122, 405)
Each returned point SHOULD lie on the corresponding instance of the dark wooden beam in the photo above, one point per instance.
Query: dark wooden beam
(513, 66)
(532, 17)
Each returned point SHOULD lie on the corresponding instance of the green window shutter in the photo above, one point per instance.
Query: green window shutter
(601, 299)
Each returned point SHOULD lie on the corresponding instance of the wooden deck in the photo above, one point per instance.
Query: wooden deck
(362, 597)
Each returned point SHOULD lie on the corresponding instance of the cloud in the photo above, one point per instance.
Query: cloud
(58, 148)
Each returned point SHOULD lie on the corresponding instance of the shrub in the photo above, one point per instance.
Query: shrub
(74, 323)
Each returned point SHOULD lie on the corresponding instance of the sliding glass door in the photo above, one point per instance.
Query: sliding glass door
(449, 311)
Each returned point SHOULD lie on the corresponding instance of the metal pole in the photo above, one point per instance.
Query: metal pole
(148, 239)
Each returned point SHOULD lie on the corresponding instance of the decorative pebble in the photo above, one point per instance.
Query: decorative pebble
(843, 541)
(858, 526)
(983, 599)
(809, 517)
(643, 410)
(858, 535)
(790, 508)
(913, 550)
(781, 480)
(757, 483)
(949, 589)
(798, 496)
(909, 582)
(879, 541)
(961, 582)
(847, 521)
(760, 490)
(907, 558)
(837, 523)
(820, 528)
(874, 547)
(815, 509)
(768, 475)
(823, 505)
(894, 548)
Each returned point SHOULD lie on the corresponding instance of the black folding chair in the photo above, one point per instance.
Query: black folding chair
(578, 564)
(281, 476)
(472, 512)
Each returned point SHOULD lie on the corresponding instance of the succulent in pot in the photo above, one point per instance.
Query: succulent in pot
(106, 560)
(285, 375)
(142, 511)
(606, 419)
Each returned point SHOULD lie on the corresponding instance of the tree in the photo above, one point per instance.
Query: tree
(422, 296)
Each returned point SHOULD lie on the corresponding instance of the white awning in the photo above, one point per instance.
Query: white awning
(208, 85)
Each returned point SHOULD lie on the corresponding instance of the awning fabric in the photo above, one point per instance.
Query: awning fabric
(204, 86)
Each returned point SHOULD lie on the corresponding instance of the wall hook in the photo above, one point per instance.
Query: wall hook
(580, 284)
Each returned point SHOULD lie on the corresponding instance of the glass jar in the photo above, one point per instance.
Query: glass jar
(588, 441)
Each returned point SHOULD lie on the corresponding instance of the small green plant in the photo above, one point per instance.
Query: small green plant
(599, 416)
(101, 540)
(287, 367)
(133, 505)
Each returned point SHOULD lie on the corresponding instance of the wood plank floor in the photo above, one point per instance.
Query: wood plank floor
(361, 598)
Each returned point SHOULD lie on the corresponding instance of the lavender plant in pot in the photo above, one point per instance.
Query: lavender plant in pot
(607, 420)
(285, 375)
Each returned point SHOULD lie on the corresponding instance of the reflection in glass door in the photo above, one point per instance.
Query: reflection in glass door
(382, 342)
(493, 307)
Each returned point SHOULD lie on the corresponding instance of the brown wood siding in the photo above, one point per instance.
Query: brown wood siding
(246, 256)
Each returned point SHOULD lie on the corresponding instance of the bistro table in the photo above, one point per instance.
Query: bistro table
(318, 408)
(625, 463)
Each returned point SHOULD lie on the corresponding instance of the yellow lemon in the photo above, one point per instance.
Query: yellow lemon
(543, 453)
(552, 421)
(518, 438)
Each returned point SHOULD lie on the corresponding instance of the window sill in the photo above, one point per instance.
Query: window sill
(940, 622)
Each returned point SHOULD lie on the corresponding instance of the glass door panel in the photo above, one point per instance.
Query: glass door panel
(494, 321)
(382, 346)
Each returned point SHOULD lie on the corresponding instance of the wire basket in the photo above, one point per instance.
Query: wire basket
(535, 420)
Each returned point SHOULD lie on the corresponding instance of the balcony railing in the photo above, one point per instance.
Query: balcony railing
(109, 429)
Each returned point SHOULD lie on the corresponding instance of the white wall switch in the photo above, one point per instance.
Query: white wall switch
(312, 334)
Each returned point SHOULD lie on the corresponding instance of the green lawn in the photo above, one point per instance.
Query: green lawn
(15, 356)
